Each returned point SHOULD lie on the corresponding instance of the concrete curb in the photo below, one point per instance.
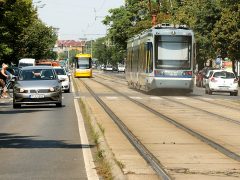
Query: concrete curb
(115, 169)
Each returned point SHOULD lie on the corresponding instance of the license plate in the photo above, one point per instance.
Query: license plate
(223, 88)
(37, 96)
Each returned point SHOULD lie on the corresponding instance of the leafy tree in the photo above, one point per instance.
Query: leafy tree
(22, 34)
(226, 33)
(201, 16)
(37, 41)
(15, 16)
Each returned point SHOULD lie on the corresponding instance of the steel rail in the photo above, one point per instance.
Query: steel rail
(202, 138)
(199, 109)
(222, 105)
(205, 111)
(145, 153)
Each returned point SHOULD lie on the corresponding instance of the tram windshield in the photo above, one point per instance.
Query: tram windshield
(173, 52)
(83, 63)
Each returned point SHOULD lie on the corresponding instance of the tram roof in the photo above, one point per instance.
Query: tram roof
(165, 29)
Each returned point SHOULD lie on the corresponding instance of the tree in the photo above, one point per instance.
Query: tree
(226, 33)
(15, 17)
(22, 34)
(201, 16)
(37, 41)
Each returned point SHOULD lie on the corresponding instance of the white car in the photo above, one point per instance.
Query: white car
(222, 81)
(121, 68)
(64, 77)
(109, 67)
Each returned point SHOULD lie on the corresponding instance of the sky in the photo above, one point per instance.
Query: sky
(76, 19)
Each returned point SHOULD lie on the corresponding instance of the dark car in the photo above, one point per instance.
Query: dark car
(37, 85)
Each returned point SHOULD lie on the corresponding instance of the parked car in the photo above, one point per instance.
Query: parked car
(37, 85)
(109, 67)
(121, 68)
(64, 77)
(222, 81)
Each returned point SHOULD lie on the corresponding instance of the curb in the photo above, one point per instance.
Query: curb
(115, 169)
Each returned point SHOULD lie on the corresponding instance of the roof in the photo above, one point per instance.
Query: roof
(83, 55)
(70, 43)
(36, 67)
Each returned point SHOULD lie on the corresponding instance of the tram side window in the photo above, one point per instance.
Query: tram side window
(142, 58)
(149, 57)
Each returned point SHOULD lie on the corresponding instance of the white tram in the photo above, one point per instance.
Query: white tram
(162, 57)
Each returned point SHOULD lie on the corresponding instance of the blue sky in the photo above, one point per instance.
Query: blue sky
(76, 18)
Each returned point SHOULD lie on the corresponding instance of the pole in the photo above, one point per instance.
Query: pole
(91, 48)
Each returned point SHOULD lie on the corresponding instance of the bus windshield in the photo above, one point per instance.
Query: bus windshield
(83, 63)
(173, 52)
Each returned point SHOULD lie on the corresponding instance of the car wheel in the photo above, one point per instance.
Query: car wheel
(59, 104)
(233, 93)
(15, 106)
(209, 92)
(206, 91)
(67, 91)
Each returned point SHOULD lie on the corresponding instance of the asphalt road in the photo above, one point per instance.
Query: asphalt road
(40, 142)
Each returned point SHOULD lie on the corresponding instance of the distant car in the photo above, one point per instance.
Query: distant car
(63, 76)
(102, 67)
(121, 68)
(37, 85)
(109, 67)
(222, 81)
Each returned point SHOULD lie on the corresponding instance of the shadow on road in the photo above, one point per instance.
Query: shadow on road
(15, 141)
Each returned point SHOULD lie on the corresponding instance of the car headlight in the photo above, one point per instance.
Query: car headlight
(54, 89)
(51, 89)
(20, 90)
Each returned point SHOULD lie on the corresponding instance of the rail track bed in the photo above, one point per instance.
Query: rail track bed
(177, 136)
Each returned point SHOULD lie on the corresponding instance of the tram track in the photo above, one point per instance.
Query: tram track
(231, 107)
(145, 153)
(220, 113)
(202, 138)
(199, 136)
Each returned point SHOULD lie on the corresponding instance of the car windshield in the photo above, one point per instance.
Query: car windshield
(60, 72)
(37, 74)
(224, 75)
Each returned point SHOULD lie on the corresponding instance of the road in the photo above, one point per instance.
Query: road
(40, 142)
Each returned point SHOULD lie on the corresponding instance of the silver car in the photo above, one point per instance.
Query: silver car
(37, 85)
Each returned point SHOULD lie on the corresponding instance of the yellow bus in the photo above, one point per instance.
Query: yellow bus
(83, 65)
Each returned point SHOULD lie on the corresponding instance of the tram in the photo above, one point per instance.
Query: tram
(162, 57)
(83, 65)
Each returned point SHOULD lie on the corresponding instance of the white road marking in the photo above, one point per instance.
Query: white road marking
(208, 99)
(180, 98)
(135, 97)
(87, 155)
(155, 97)
(112, 97)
